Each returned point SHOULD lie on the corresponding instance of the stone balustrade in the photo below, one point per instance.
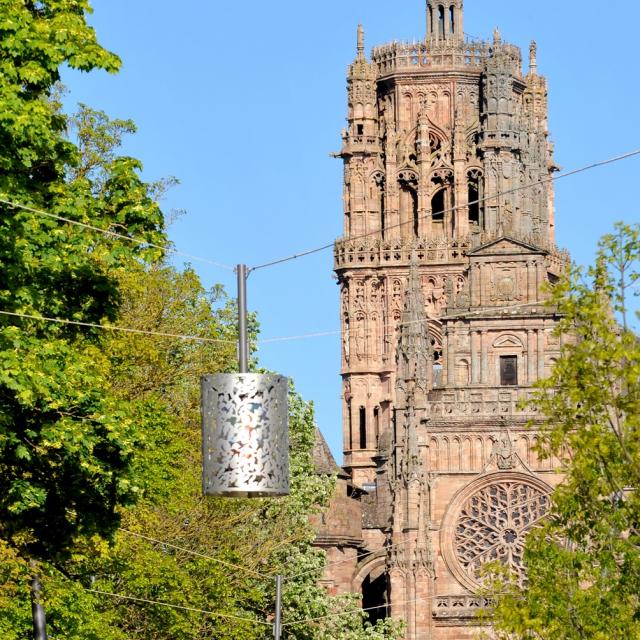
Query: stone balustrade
(407, 56)
(370, 253)
(487, 402)
(459, 607)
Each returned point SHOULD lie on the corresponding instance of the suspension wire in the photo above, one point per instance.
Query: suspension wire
(525, 187)
(114, 234)
(176, 606)
(291, 338)
(106, 327)
(306, 336)
(293, 257)
(161, 334)
(198, 554)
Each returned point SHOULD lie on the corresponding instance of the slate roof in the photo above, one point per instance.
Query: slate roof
(323, 460)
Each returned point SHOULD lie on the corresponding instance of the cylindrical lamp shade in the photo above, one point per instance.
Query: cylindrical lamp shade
(245, 435)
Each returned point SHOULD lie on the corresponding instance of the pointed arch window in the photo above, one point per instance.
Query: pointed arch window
(409, 212)
(475, 197)
(438, 206)
(363, 428)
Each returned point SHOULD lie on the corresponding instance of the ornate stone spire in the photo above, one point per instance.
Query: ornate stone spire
(533, 58)
(361, 55)
(414, 354)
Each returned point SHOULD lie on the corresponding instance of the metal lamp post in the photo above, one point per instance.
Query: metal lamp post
(245, 430)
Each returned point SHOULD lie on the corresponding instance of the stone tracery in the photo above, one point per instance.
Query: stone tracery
(491, 520)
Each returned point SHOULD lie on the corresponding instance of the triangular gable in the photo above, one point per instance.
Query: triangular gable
(323, 460)
(505, 245)
(508, 341)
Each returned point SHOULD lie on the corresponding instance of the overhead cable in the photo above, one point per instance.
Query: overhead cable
(499, 194)
(161, 334)
(196, 553)
(114, 234)
(107, 327)
(176, 606)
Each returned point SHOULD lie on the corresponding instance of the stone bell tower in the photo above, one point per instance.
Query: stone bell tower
(448, 241)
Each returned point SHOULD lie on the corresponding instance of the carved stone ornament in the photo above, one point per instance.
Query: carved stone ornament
(488, 521)
(245, 443)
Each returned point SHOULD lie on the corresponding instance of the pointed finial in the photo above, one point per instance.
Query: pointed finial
(533, 57)
(360, 41)
(497, 36)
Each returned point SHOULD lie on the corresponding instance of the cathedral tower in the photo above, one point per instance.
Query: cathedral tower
(448, 239)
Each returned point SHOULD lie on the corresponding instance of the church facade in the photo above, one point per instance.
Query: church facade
(448, 243)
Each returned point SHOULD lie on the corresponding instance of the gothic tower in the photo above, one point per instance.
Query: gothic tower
(448, 240)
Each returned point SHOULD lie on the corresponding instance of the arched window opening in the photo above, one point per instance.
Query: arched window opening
(376, 423)
(409, 213)
(378, 187)
(374, 597)
(350, 416)
(474, 205)
(474, 181)
(437, 374)
(441, 27)
(452, 16)
(438, 206)
(363, 428)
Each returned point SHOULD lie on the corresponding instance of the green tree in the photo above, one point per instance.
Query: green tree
(583, 563)
(99, 432)
(67, 444)
(267, 537)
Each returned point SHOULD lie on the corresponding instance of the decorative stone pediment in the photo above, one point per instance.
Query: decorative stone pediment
(508, 341)
(506, 245)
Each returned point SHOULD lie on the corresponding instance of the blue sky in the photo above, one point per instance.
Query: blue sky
(243, 102)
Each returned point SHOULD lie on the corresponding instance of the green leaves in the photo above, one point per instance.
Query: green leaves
(67, 441)
(584, 562)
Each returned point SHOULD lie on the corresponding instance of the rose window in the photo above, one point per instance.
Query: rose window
(489, 523)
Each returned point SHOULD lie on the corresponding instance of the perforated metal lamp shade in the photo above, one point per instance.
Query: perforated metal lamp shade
(245, 435)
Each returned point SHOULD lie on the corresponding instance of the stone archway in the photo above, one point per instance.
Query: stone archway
(372, 581)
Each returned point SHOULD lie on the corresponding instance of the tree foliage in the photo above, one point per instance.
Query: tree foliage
(584, 562)
(67, 444)
(260, 538)
(99, 432)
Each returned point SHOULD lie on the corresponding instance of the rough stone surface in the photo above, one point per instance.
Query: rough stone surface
(448, 239)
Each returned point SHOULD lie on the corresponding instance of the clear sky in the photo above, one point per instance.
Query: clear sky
(244, 101)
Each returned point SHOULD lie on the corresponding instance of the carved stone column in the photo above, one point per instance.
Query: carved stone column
(531, 358)
(476, 348)
(451, 356)
(475, 285)
(541, 352)
(532, 279)
(481, 285)
(398, 589)
(484, 372)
